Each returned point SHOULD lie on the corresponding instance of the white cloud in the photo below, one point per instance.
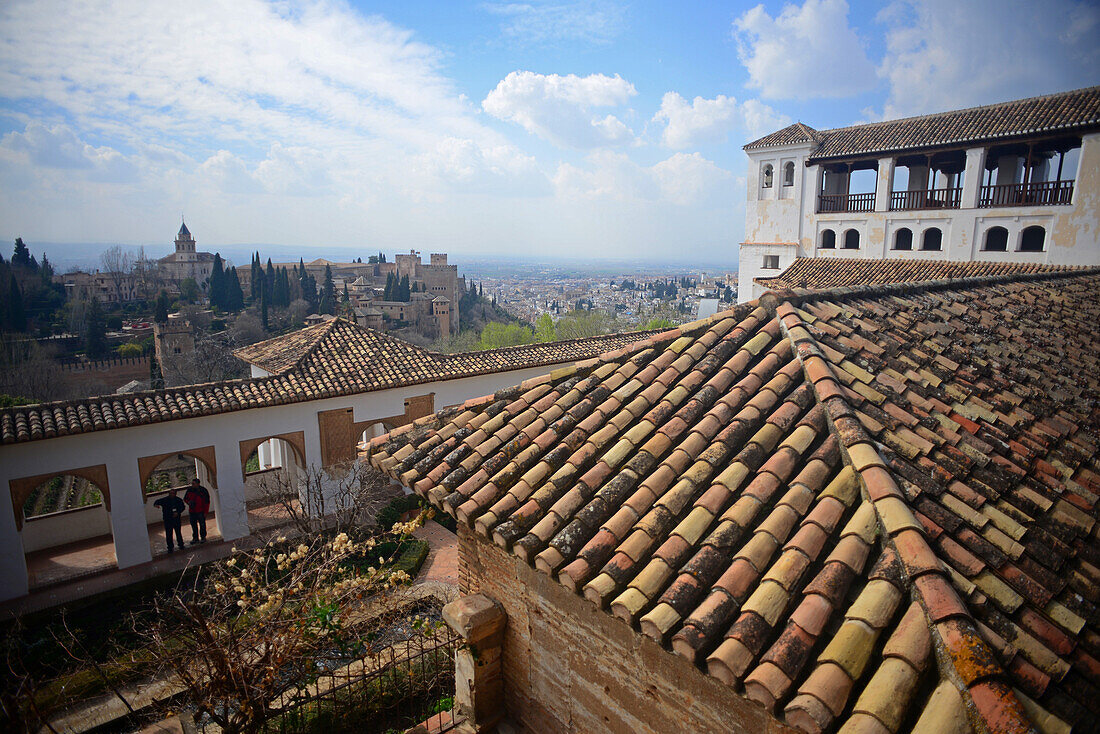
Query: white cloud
(944, 54)
(710, 120)
(58, 147)
(683, 180)
(691, 179)
(806, 51)
(559, 108)
(592, 21)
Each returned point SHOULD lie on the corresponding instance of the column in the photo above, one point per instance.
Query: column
(884, 186)
(479, 678)
(230, 512)
(972, 178)
(129, 525)
(13, 562)
(263, 453)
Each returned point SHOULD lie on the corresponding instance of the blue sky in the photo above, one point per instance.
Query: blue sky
(592, 128)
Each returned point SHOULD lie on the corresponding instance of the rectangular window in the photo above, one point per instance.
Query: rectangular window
(771, 262)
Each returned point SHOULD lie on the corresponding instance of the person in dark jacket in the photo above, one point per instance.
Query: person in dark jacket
(171, 507)
(198, 504)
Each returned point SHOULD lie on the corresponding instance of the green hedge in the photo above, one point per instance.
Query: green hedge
(397, 507)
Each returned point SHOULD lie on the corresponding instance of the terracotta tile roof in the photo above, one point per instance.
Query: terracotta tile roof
(1077, 110)
(330, 359)
(833, 272)
(810, 495)
(790, 135)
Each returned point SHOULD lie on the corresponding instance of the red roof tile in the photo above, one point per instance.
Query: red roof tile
(734, 490)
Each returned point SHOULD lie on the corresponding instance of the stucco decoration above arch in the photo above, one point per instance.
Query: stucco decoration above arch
(297, 441)
(21, 488)
(148, 464)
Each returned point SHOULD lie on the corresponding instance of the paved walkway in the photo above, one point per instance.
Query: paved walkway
(442, 563)
(77, 570)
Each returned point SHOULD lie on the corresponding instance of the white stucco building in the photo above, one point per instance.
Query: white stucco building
(312, 397)
(1012, 182)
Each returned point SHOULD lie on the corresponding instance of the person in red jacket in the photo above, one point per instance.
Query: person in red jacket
(198, 504)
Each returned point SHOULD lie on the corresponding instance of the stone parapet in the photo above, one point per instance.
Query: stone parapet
(479, 682)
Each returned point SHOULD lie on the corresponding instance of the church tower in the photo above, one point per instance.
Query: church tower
(185, 245)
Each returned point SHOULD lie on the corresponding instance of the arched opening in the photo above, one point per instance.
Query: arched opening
(996, 240)
(851, 239)
(828, 240)
(162, 473)
(65, 524)
(788, 173)
(766, 176)
(932, 239)
(1033, 239)
(903, 239)
(273, 467)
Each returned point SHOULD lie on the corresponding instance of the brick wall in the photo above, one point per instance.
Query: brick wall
(569, 667)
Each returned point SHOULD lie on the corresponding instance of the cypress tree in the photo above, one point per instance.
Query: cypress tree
(17, 314)
(263, 308)
(234, 294)
(404, 291)
(256, 285)
(387, 294)
(156, 377)
(160, 314)
(328, 293)
(95, 331)
(216, 288)
(269, 279)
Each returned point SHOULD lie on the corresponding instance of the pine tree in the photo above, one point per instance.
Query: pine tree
(22, 256)
(95, 331)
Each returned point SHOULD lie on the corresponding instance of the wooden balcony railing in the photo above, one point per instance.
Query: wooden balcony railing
(846, 203)
(1043, 193)
(947, 198)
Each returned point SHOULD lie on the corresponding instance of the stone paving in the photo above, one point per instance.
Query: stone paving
(442, 562)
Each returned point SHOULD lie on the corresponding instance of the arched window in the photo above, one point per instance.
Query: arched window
(903, 239)
(828, 240)
(788, 174)
(851, 239)
(996, 239)
(1033, 239)
(767, 177)
(932, 239)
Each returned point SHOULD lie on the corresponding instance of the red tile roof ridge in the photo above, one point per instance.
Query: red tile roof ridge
(871, 290)
(965, 655)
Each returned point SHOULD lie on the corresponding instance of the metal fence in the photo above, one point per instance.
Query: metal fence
(405, 684)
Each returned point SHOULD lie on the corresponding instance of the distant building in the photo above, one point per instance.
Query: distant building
(185, 262)
(1014, 182)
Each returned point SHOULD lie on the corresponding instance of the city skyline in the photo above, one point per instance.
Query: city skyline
(567, 129)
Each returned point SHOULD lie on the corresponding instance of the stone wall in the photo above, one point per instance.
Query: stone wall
(569, 667)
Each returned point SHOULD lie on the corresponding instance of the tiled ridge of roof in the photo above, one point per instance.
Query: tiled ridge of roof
(1076, 109)
(766, 517)
(326, 360)
(790, 135)
(831, 272)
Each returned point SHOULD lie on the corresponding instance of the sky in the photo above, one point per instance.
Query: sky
(591, 129)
